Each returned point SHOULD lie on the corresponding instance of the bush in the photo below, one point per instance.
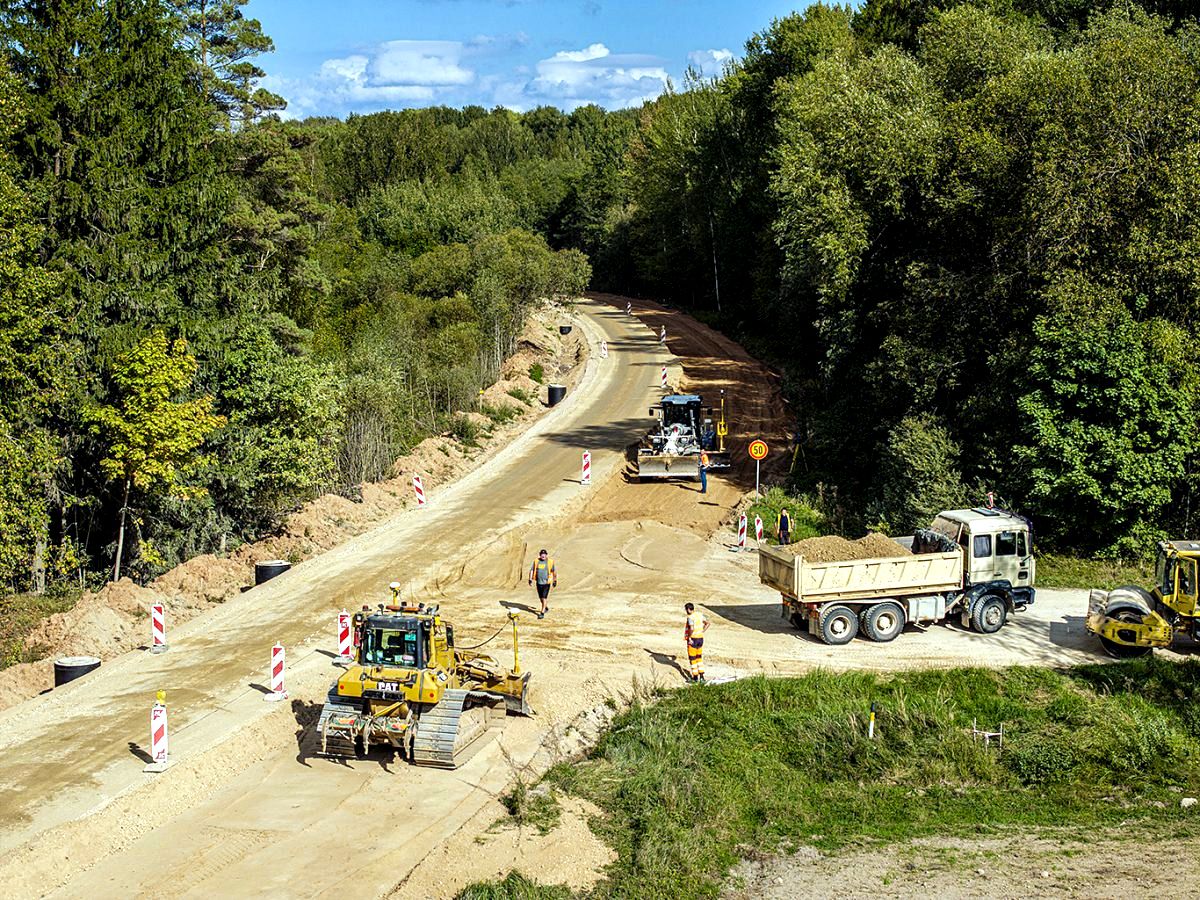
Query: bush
(537, 373)
(521, 396)
(465, 430)
(515, 886)
(807, 521)
(501, 413)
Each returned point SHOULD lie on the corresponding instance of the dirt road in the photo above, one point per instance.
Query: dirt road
(247, 809)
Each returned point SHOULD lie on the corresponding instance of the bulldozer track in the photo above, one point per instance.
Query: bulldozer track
(437, 736)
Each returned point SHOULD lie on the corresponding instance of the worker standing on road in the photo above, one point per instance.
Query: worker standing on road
(543, 572)
(783, 526)
(693, 636)
(702, 465)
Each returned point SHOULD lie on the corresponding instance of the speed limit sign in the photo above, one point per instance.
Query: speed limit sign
(758, 450)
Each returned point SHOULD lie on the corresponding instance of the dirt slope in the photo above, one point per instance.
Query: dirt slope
(248, 809)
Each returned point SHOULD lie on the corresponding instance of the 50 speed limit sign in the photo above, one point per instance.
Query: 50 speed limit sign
(758, 450)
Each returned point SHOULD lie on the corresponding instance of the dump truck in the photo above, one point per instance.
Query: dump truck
(409, 688)
(1131, 621)
(683, 428)
(973, 564)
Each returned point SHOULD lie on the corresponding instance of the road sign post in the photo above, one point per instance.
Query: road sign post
(758, 451)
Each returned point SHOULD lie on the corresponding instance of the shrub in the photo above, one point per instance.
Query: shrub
(537, 373)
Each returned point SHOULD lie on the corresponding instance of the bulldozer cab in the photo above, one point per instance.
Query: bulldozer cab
(1175, 575)
(398, 638)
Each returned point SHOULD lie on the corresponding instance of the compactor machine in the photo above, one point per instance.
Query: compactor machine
(684, 428)
(1131, 621)
(410, 688)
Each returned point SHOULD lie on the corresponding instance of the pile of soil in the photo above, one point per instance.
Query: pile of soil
(832, 548)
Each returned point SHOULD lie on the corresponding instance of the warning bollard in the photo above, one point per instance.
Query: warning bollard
(741, 532)
(420, 489)
(758, 529)
(160, 759)
(587, 468)
(604, 349)
(158, 629)
(664, 377)
(345, 653)
(277, 689)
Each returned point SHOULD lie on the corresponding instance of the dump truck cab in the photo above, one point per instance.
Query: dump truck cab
(997, 549)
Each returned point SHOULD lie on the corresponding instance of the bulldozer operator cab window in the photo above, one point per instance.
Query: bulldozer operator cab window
(387, 647)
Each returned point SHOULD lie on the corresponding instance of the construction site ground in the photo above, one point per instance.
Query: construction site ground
(248, 809)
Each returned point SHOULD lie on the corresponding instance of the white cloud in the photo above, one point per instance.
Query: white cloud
(709, 62)
(394, 73)
(594, 74)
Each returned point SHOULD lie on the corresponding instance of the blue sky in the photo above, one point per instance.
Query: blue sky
(334, 57)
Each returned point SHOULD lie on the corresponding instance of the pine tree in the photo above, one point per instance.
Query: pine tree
(224, 43)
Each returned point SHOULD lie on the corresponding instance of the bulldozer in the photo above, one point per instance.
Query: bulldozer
(409, 688)
(1131, 621)
(685, 427)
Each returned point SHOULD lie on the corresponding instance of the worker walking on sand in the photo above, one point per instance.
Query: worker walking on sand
(702, 465)
(543, 572)
(783, 526)
(693, 636)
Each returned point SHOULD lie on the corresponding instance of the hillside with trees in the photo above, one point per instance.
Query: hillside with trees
(965, 232)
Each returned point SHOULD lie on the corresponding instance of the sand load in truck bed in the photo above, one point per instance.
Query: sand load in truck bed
(832, 548)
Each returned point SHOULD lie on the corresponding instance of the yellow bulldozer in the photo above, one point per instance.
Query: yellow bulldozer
(1131, 621)
(411, 689)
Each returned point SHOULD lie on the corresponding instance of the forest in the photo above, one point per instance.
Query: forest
(966, 234)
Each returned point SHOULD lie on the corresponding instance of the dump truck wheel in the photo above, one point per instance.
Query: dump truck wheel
(839, 625)
(883, 622)
(1132, 614)
(989, 615)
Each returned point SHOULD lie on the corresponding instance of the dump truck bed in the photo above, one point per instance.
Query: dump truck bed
(859, 579)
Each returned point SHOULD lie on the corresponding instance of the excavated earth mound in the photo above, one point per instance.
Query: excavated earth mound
(832, 548)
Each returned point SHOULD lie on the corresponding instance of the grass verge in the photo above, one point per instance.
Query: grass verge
(694, 781)
(807, 521)
(1055, 571)
(19, 614)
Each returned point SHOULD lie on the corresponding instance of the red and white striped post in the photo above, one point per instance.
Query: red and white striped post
(741, 532)
(159, 757)
(420, 489)
(345, 651)
(158, 629)
(278, 692)
(586, 478)
(664, 378)
(758, 529)
(604, 349)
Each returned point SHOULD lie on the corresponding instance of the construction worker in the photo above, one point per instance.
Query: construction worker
(693, 636)
(702, 465)
(783, 525)
(543, 572)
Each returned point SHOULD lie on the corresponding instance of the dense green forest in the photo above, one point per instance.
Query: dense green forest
(965, 232)
(969, 234)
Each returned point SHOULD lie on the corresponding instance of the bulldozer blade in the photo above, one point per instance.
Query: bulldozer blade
(663, 466)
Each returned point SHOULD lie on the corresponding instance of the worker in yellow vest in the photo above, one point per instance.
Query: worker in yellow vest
(783, 526)
(693, 636)
(546, 576)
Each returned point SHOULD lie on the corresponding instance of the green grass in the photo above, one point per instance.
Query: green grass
(532, 807)
(515, 886)
(19, 614)
(520, 395)
(537, 373)
(806, 520)
(500, 413)
(1055, 571)
(465, 430)
(707, 774)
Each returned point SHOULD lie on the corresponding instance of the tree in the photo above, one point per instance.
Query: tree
(224, 44)
(918, 473)
(151, 435)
